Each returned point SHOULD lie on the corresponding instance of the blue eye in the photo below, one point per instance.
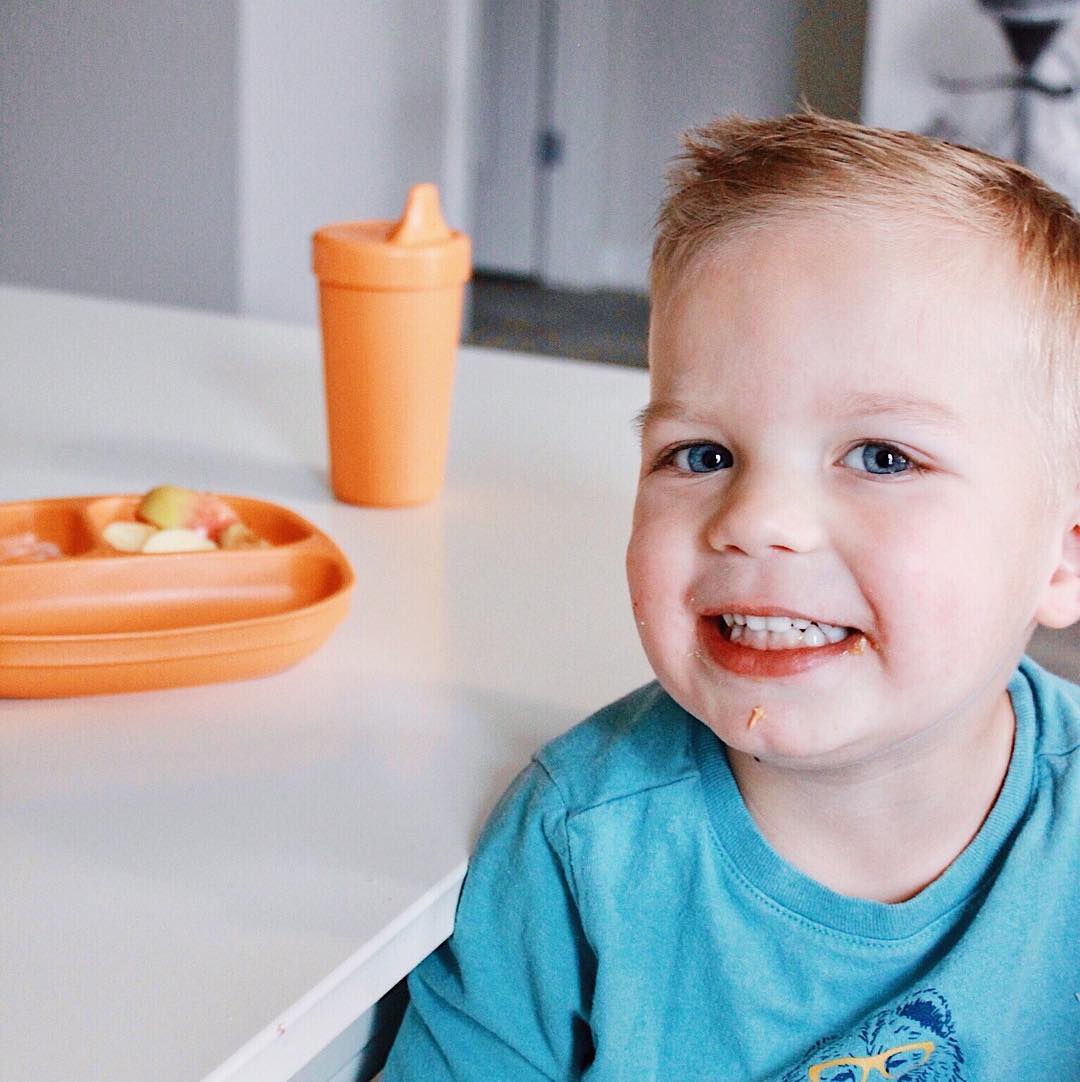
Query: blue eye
(880, 459)
(701, 458)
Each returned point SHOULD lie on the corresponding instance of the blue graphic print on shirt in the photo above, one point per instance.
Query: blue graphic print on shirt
(914, 1040)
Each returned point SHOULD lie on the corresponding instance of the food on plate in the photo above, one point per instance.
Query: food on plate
(239, 536)
(27, 547)
(178, 539)
(175, 519)
(125, 536)
(170, 507)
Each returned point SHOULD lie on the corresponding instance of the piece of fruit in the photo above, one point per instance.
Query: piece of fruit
(172, 507)
(26, 548)
(237, 535)
(125, 536)
(178, 539)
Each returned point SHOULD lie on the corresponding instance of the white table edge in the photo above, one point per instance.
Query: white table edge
(289, 1042)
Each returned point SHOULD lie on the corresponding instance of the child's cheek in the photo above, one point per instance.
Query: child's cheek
(921, 581)
(645, 575)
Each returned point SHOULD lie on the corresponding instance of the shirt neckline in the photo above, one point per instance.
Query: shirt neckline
(770, 875)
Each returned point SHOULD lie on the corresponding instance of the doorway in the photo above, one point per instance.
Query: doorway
(542, 113)
(581, 103)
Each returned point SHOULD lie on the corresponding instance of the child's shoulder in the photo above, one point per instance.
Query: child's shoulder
(636, 743)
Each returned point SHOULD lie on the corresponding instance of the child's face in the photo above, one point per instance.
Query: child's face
(835, 434)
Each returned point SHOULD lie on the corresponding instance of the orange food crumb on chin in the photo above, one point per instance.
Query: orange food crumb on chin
(755, 716)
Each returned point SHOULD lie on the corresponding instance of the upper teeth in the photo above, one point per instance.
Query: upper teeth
(780, 624)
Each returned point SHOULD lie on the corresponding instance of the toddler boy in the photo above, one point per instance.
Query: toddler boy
(839, 838)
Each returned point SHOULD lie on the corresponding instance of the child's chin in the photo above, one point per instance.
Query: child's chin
(789, 738)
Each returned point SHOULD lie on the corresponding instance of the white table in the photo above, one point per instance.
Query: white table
(215, 882)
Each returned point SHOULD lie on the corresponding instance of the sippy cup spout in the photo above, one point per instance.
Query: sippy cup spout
(422, 221)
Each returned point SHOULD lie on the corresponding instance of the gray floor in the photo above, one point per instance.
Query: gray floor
(1058, 651)
(518, 314)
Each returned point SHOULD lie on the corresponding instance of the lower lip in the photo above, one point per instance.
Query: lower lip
(746, 661)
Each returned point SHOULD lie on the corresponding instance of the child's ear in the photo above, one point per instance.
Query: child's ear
(1060, 605)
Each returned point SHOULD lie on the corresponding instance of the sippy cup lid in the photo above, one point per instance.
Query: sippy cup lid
(419, 251)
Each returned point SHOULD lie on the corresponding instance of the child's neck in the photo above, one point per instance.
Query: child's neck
(885, 829)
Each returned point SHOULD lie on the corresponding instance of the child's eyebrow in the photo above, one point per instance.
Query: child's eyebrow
(856, 404)
(663, 409)
(897, 404)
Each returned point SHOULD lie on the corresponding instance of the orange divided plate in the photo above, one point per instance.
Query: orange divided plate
(94, 621)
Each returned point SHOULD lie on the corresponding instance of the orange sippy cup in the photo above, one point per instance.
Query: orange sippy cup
(390, 300)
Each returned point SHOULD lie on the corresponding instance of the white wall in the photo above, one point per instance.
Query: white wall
(342, 107)
(117, 148)
(183, 151)
(508, 117)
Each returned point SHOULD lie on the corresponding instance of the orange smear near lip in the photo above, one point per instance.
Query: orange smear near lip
(858, 646)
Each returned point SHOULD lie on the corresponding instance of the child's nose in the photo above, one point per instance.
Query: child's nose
(766, 511)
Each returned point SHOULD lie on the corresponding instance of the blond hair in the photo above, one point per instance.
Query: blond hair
(735, 174)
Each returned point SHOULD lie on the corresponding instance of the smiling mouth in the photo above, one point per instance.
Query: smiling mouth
(768, 633)
(760, 651)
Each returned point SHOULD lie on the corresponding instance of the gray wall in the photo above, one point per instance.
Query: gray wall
(830, 48)
(118, 130)
(343, 105)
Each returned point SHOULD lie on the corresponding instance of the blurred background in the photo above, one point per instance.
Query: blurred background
(182, 151)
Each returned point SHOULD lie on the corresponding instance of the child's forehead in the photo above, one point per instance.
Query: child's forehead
(844, 306)
(840, 264)
(868, 239)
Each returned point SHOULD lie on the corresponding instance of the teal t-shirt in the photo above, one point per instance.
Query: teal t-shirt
(623, 919)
